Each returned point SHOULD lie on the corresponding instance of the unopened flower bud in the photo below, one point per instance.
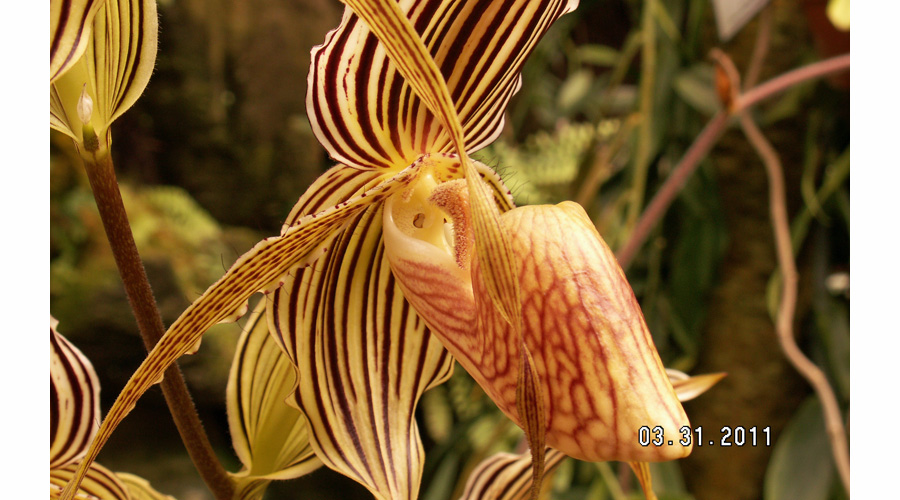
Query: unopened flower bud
(85, 106)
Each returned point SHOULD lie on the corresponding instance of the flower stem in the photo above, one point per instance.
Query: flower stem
(667, 193)
(787, 80)
(708, 137)
(102, 177)
(785, 320)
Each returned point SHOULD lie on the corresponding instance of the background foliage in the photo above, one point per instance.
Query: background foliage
(218, 149)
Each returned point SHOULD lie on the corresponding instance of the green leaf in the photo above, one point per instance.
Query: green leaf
(696, 86)
(574, 89)
(801, 467)
(598, 55)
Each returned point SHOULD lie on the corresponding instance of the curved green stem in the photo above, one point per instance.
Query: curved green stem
(645, 131)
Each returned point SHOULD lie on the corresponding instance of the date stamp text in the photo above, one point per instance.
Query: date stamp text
(726, 436)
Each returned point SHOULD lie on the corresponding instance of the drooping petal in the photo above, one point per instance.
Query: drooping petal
(258, 270)
(70, 27)
(364, 358)
(116, 65)
(269, 437)
(74, 401)
(99, 483)
(372, 105)
(506, 476)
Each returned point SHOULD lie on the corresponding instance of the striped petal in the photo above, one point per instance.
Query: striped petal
(364, 359)
(506, 476)
(70, 28)
(413, 60)
(372, 104)
(116, 65)
(140, 489)
(269, 437)
(260, 269)
(99, 483)
(74, 401)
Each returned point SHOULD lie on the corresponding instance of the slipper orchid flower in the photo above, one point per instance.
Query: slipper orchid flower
(408, 255)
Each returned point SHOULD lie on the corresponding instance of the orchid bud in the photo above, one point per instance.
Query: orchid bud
(85, 106)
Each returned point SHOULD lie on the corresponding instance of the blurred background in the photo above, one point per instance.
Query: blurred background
(216, 152)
